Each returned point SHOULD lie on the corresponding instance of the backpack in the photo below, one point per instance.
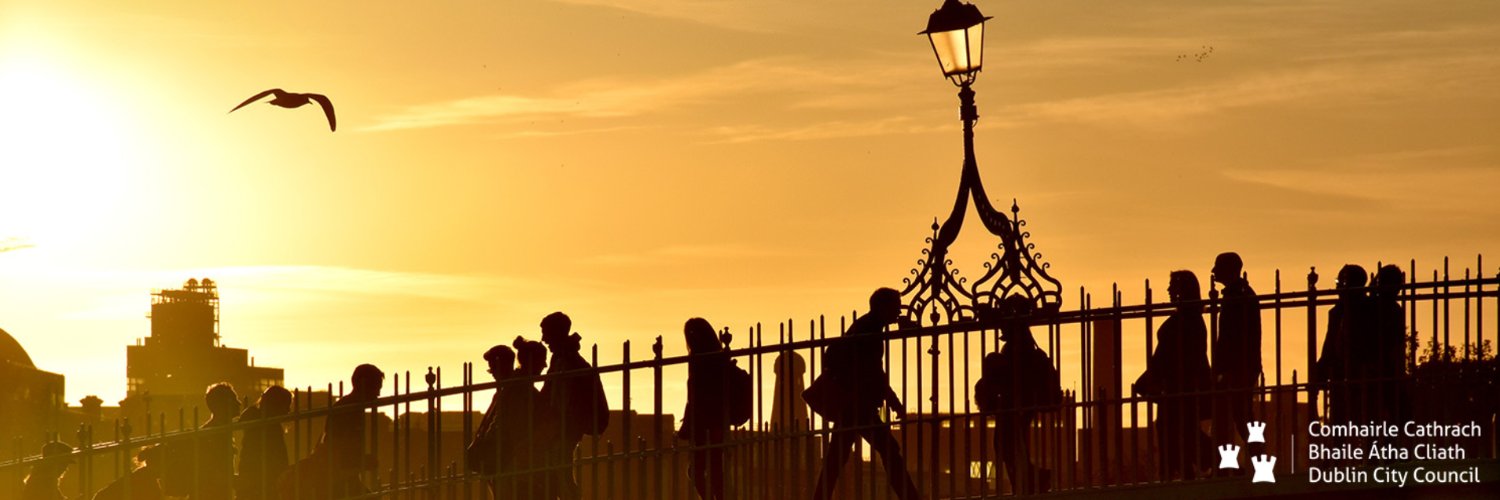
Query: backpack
(739, 394)
(600, 409)
(1047, 390)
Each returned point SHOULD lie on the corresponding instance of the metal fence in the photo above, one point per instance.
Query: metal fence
(1099, 435)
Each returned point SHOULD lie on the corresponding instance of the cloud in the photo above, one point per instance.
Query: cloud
(1327, 85)
(898, 125)
(12, 244)
(677, 253)
(614, 98)
(762, 16)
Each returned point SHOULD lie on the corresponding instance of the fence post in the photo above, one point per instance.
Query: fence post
(1312, 341)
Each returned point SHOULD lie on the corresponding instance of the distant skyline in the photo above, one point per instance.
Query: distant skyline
(639, 162)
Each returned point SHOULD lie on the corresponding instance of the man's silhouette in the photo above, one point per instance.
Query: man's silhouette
(1178, 368)
(140, 484)
(1236, 351)
(216, 449)
(1389, 398)
(571, 399)
(706, 418)
(853, 365)
(43, 481)
(263, 453)
(344, 436)
(1347, 348)
(1015, 382)
(483, 452)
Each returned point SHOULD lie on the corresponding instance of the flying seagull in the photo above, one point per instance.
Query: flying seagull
(294, 100)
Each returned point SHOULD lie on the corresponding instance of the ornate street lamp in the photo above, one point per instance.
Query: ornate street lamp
(956, 31)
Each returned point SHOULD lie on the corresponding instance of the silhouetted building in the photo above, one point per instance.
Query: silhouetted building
(183, 355)
(30, 399)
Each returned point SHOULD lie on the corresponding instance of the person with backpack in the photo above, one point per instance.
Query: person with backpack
(1017, 382)
(576, 398)
(706, 418)
(851, 390)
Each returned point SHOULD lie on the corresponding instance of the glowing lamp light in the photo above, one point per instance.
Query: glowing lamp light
(957, 34)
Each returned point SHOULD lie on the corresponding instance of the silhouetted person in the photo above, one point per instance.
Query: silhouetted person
(263, 453)
(1177, 369)
(1236, 351)
(853, 366)
(1015, 383)
(138, 484)
(1348, 350)
(216, 449)
(572, 399)
(1390, 398)
(482, 453)
(706, 418)
(42, 482)
(332, 469)
(345, 431)
(519, 429)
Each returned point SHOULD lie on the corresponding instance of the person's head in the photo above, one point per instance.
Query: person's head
(1351, 278)
(1227, 268)
(555, 328)
(1182, 286)
(700, 336)
(367, 379)
(501, 361)
(1016, 311)
(221, 400)
(885, 304)
(532, 355)
(1389, 280)
(275, 401)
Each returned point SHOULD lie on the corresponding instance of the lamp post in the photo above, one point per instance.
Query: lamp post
(956, 32)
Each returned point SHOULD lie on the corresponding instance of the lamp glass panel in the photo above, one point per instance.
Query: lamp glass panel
(952, 51)
(975, 42)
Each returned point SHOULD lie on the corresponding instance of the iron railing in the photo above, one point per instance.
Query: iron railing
(1098, 436)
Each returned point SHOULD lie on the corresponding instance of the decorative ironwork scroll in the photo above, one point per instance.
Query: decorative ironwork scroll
(937, 292)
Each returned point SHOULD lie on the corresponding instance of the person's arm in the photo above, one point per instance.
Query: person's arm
(894, 403)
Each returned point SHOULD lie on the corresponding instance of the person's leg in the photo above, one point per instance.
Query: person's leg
(698, 471)
(562, 483)
(716, 464)
(840, 446)
(1005, 444)
(1022, 455)
(882, 442)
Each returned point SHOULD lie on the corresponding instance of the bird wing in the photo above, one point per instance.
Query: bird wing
(257, 97)
(327, 109)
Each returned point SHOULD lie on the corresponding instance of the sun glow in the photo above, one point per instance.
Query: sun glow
(66, 153)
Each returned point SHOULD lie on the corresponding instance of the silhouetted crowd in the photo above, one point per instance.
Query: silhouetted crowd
(527, 440)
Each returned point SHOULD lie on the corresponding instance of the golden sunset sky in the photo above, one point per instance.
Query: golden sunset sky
(639, 162)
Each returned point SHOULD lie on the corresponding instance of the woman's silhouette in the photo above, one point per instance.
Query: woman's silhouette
(705, 420)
